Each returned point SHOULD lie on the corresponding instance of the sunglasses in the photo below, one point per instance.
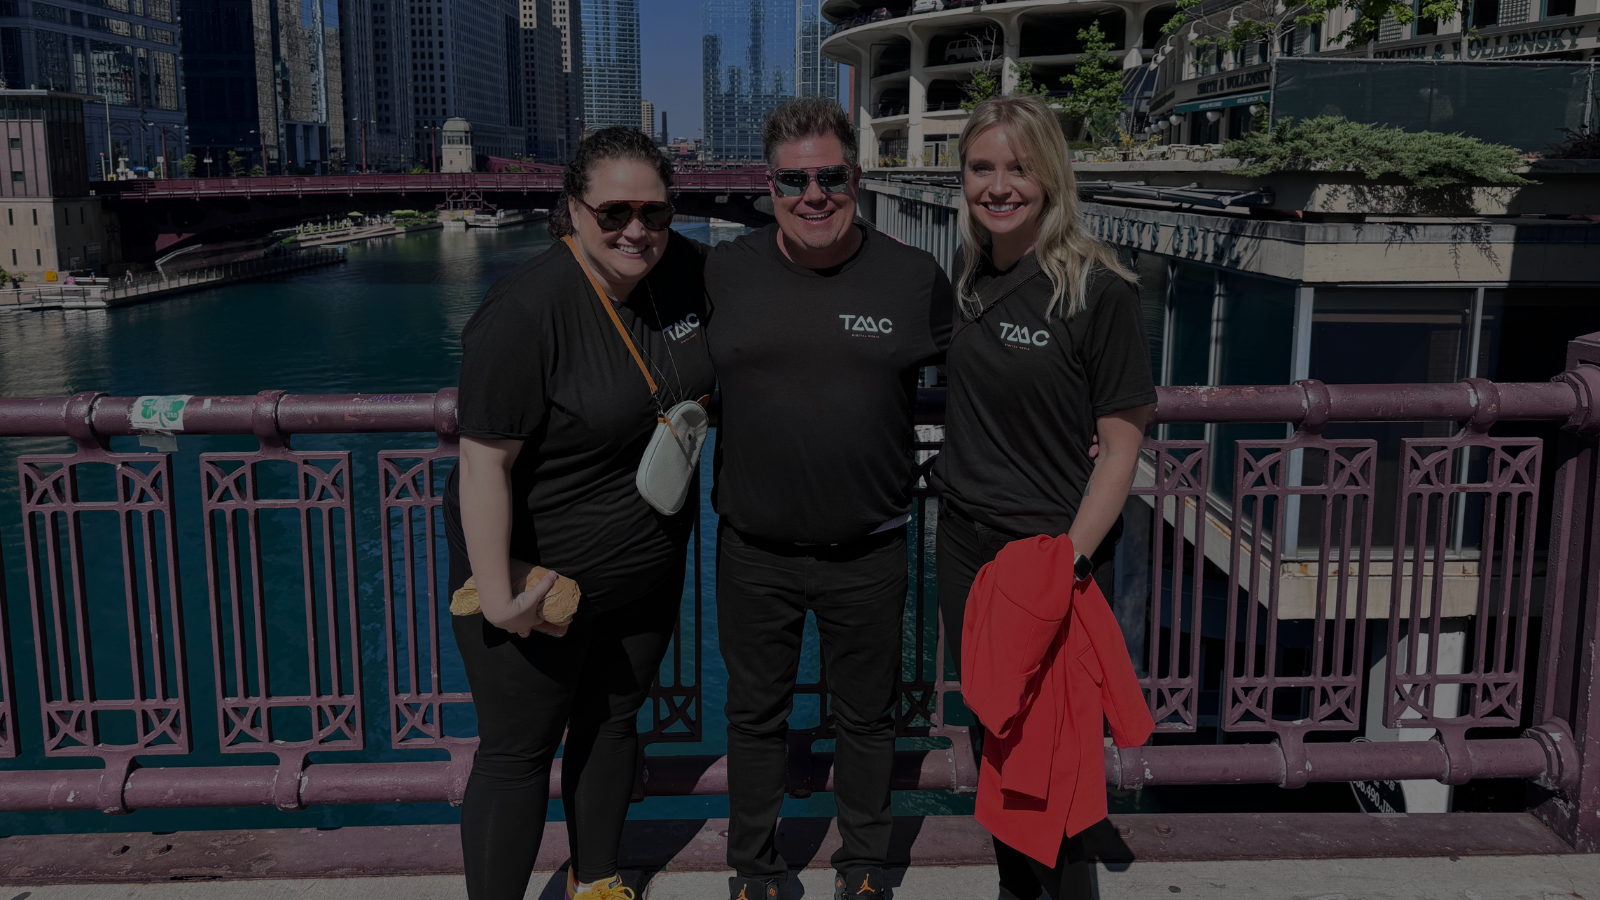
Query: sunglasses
(793, 182)
(614, 215)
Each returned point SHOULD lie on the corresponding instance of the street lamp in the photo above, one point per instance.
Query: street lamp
(208, 162)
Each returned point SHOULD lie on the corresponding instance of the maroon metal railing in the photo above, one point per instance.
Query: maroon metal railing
(744, 180)
(1326, 489)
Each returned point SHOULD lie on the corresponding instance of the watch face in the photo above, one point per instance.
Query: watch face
(1082, 568)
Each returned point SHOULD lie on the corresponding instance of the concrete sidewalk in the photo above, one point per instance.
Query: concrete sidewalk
(1568, 877)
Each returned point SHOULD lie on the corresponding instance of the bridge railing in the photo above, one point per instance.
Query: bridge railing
(746, 180)
(1276, 578)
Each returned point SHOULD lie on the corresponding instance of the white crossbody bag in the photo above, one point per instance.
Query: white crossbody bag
(671, 458)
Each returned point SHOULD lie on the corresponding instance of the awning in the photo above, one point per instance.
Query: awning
(1223, 102)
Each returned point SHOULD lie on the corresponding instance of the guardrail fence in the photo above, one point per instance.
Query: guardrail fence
(1264, 609)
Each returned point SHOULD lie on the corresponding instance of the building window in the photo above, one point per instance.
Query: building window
(36, 217)
(16, 143)
(16, 177)
(11, 221)
(13, 257)
(1485, 13)
(38, 257)
(1560, 8)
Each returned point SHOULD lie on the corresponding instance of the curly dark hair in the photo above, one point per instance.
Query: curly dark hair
(615, 142)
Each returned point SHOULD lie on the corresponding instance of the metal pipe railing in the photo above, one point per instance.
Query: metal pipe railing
(408, 495)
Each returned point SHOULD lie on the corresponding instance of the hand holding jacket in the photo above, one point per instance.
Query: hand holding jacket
(1043, 665)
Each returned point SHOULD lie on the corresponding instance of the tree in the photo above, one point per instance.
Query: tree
(1096, 84)
(236, 165)
(188, 164)
(257, 171)
(1268, 21)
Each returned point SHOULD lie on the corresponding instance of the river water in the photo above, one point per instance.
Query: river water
(386, 321)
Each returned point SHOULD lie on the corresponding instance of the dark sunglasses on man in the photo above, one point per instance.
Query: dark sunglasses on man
(614, 215)
(793, 182)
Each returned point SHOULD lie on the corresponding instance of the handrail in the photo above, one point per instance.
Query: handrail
(1179, 593)
(1294, 404)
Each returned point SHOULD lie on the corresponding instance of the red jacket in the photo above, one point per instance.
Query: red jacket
(1042, 661)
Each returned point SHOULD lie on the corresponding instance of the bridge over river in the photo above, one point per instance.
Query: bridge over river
(159, 215)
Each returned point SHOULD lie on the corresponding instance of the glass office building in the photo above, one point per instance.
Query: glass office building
(611, 91)
(755, 55)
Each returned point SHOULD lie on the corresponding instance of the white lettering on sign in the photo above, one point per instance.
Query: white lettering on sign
(1223, 247)
(866, 323)
(1021, 335)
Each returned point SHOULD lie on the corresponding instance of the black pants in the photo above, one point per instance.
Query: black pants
(527, 691)
(964, 546)
(858, 593)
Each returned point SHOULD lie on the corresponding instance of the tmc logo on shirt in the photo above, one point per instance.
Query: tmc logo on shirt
(866, 323)
(1021, 335)
(682, 328)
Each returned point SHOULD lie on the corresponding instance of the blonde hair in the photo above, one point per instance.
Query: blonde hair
(1065, 250)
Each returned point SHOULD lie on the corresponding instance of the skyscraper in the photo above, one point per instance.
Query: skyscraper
(390, 132)
(130, 60)
(569, 18)
(265, 81)
(814, 74)
(748, 53)
(647, 117)
(543, 79)
(611, 91)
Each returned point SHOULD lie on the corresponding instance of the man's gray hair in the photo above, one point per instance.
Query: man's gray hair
(804, 117)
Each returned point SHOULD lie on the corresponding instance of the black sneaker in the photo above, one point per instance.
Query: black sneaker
(864, 883)
(751, 889)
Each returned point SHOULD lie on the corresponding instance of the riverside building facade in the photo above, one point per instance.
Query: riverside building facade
(611, 80)
(910, 67)
(755, 54)
(265, 82)
(123, 52)
(1203, 96)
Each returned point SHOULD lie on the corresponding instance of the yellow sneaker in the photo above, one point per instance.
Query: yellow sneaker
(610, 889)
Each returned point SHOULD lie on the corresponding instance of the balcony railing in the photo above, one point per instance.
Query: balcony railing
(103, 529)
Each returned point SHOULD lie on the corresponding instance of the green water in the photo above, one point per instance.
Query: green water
(386, 321)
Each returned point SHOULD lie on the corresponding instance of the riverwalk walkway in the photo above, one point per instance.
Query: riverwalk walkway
(104, 294)
(1290, 856)
(1575, 877)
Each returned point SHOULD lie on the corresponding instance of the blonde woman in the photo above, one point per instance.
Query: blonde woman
(1048, 352)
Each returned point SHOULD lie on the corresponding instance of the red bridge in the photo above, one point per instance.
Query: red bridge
(158, 215)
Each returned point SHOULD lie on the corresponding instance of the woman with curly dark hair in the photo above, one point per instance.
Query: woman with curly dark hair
(566, 368)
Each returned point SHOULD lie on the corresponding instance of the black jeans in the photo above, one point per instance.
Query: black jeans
(858, 593)
(527, 691)
(963, 547)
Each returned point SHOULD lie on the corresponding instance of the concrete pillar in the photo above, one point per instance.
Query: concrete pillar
(1011, 29)
(1133, 30)
(1421, 796)
(865, 136)
(917, 97)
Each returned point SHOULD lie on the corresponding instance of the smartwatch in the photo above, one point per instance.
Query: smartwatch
(1082, 568)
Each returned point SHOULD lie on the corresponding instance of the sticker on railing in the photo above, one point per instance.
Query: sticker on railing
(161, 413)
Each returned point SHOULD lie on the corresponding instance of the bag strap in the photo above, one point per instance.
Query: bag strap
(612, 312)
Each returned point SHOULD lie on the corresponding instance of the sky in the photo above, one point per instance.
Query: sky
(669, 46)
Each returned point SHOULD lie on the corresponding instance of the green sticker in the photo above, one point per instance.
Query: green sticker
(160, 413)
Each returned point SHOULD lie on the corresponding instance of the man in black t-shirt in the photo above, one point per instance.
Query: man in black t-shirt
(817, 328)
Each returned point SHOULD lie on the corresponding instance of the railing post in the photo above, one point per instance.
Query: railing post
(1570, 669)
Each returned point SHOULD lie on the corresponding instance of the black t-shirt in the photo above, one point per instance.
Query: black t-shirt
(542, 363)
(818, 374)
(1025, 391)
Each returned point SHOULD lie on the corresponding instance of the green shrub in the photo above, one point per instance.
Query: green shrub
(1426, 159)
